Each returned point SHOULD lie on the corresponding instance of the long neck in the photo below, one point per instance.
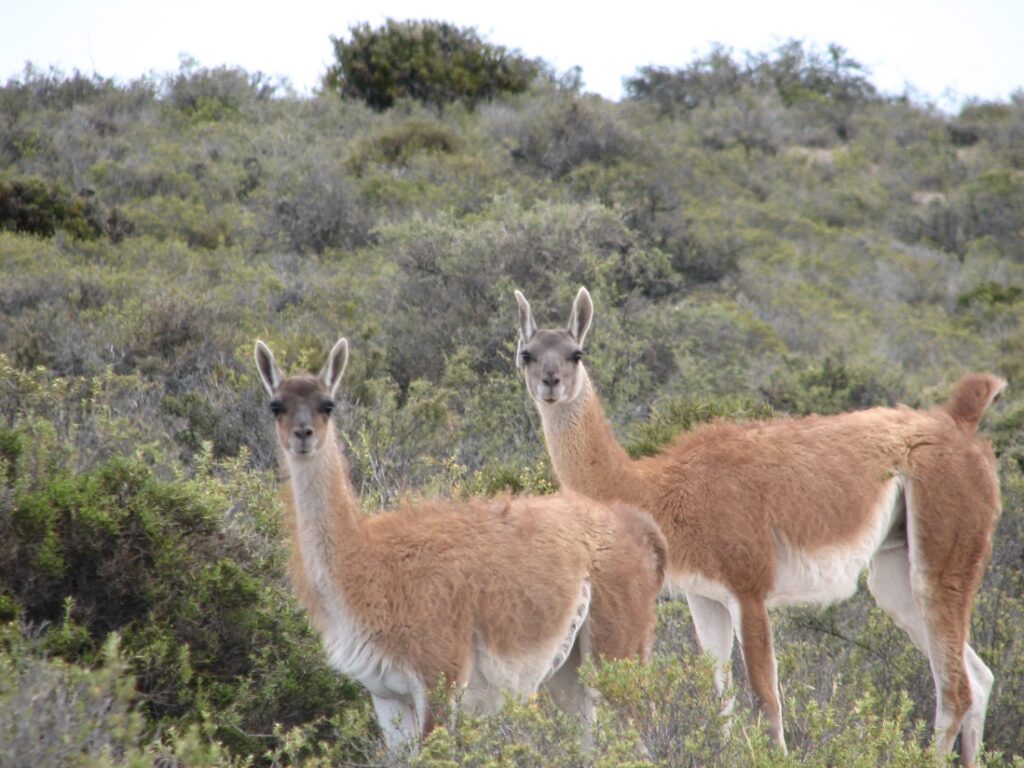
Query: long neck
(328, 532)
(584, 453)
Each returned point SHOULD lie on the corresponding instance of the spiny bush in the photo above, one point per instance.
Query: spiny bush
(198, 599)
(704, 81)
(558, 135)
(429, 61)
(829, 86)
(204, 94)
(395, 146)
(33, 206)
(832, 386)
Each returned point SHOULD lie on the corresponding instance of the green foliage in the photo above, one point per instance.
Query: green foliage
(675, 415)
(743, 256)
(567, 133)
(204, 94)
(31, 205)
(831, 85)
(398, 145)
(990, 293)
(703, 81)
(832, 386)
(117, 550)
(430, 61)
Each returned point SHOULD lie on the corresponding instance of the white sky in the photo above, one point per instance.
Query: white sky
(945, 50)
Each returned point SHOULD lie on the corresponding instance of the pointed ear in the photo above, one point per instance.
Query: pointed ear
(526, 325)
(335, 366)
(582, 314)
(270, 374)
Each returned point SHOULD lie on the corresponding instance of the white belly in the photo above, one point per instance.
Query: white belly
(495, 676)
(824, 575)
(829, 574)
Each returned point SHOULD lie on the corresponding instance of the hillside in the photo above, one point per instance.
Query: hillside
(775, 237)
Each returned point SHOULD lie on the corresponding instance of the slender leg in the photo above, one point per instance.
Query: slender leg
(569, 692)
(974, 721)
(714, 627)
(889, 584)
(759, 657)
(962, 681)
(397, 720)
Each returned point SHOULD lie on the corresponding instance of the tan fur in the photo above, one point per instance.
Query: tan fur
(461, 592)
(790, 510)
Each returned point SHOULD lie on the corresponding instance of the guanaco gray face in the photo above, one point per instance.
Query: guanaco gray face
(302, 405)
(552, 359)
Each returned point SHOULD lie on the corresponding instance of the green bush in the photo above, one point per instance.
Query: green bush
(432, 62)
(38, 208)
(704, 81)
(221, 93)
(832, 386)
(205, 622)
(397, 145)
(558, 136)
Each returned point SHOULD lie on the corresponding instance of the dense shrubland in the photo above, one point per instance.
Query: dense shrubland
(761, 236)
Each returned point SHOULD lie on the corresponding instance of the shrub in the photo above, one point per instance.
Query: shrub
(33, 206)
(198, 601)
(832, 386)
(429, 61)
(321, 209)
(397, 145)
(704, 81)
(204, 94)
(558, 136)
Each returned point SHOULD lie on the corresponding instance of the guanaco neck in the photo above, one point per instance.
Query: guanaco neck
(584, 453)
(328, 531)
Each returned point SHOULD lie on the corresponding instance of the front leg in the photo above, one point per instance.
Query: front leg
(759, 658)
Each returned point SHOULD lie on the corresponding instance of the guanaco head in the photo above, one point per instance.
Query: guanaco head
(551, 359)
(302, 404)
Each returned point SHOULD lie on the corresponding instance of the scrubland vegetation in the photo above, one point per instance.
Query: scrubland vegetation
(761, 234)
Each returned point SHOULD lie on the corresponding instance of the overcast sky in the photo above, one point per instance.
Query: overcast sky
(944, 50)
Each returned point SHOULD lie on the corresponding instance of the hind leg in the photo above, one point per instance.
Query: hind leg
(398, 721)
(713, 623)
(570, 694)
(974, 721)
(962, 681)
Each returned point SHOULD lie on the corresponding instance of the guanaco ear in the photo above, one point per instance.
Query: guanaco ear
(582, 314)
(335, 366)
(526, 326)
(270, 374)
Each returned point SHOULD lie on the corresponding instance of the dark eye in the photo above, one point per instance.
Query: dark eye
(525, 357)
(276, 407)
(577, 355)
(327, 406)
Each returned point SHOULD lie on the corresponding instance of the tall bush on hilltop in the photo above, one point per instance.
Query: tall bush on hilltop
(430, 61)
(830, 86)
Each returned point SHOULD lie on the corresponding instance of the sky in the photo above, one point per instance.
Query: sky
(940, 51)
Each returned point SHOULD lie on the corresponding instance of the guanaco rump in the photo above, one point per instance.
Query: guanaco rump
(485, 597)
(792, 510)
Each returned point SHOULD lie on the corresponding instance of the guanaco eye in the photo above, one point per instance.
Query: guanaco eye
(276, 407)
(577, 355)
(327, 406)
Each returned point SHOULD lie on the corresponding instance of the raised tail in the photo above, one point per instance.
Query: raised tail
(971, 396)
